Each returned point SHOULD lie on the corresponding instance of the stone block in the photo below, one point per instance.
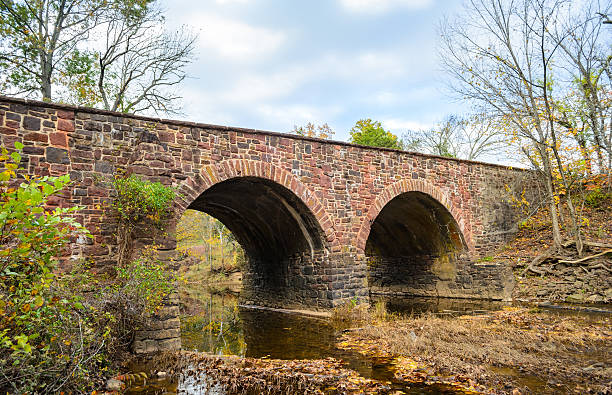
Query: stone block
(31, 123)
(105, 167)
(65, 125)
(58, 139)
(170, 344)
(57, 155)
(37, 137)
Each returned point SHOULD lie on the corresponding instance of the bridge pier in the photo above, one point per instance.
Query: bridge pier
(319, 281)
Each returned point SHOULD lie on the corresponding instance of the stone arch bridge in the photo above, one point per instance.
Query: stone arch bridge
(322, 222)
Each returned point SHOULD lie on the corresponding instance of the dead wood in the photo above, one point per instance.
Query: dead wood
(586, 258)
(537, 261)
(570, 243)
(600, 266)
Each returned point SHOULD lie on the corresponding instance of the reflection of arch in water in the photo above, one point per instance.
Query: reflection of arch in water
(284, 230)
(414, 240)
(286, 336)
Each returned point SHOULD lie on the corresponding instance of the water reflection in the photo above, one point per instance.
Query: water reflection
(218, 329)
(222, 327)
(225, 328)
(416, 305)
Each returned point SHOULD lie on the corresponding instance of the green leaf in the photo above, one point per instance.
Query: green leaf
(16, 157)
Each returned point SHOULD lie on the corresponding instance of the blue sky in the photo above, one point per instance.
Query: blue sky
(273, 64)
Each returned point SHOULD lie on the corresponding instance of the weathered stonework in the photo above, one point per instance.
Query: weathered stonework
(163, 330)
(303, 208)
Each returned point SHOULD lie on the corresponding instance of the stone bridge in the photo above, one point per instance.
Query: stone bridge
(322, 222)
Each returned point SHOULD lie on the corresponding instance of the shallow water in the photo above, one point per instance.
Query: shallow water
(225, 328)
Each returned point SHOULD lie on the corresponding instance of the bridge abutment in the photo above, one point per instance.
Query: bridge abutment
(454, 277)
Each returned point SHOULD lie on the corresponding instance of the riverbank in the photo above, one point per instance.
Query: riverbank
(562, 276)
(512, 351)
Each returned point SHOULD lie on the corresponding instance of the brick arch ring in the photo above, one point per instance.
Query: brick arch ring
(210, 175)
(403, 186)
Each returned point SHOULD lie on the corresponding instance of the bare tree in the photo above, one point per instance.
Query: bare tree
(586, 51)
(457, 137)
(141, 63)
(499, 57)
(503, 55)
(114, 54)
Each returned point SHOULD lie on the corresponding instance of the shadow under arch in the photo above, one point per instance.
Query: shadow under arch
(413, 246)
(284, 240)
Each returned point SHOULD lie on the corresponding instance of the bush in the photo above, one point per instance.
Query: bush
(139, 204)
(60, 332)
(598, 198)
(140, 201)
(45, 332)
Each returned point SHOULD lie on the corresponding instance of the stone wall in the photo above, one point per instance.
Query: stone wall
(343, 186)
(162, 331)
(425, 276)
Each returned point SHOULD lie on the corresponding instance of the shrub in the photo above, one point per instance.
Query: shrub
(60, 332)
(45, 332)
(350, 313)
(138, 204)
(597, 198)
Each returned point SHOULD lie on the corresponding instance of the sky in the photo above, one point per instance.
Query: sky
(273, 64)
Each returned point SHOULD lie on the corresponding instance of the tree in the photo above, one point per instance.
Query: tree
(138, 67)
(113, 54)
(311, 130)
(371, 133)
(198, 233)
(501, 56)
(443, 140)
(586, 109)
(36, 36)
(457, 137)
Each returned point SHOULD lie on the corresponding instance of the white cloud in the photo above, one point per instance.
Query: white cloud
(252, 87)
(255, 87)
(234, 39)
(379, 6)
(284, 117)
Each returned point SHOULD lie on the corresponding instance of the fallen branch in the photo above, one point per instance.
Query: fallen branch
(600, 266)
(586, 258)
(570, 243)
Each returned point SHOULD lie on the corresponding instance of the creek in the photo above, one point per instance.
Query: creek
(222, 327)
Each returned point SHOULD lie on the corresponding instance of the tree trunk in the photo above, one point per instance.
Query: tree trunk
(124, 239)
(550, 190)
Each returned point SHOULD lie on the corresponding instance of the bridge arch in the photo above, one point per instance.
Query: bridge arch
(414, 240)
(281, 225)
(403, 186)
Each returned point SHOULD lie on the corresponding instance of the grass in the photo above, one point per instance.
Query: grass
(551, 348)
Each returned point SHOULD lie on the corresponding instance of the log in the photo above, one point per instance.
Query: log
(586, 258)
(600, 266)
(595, 244)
